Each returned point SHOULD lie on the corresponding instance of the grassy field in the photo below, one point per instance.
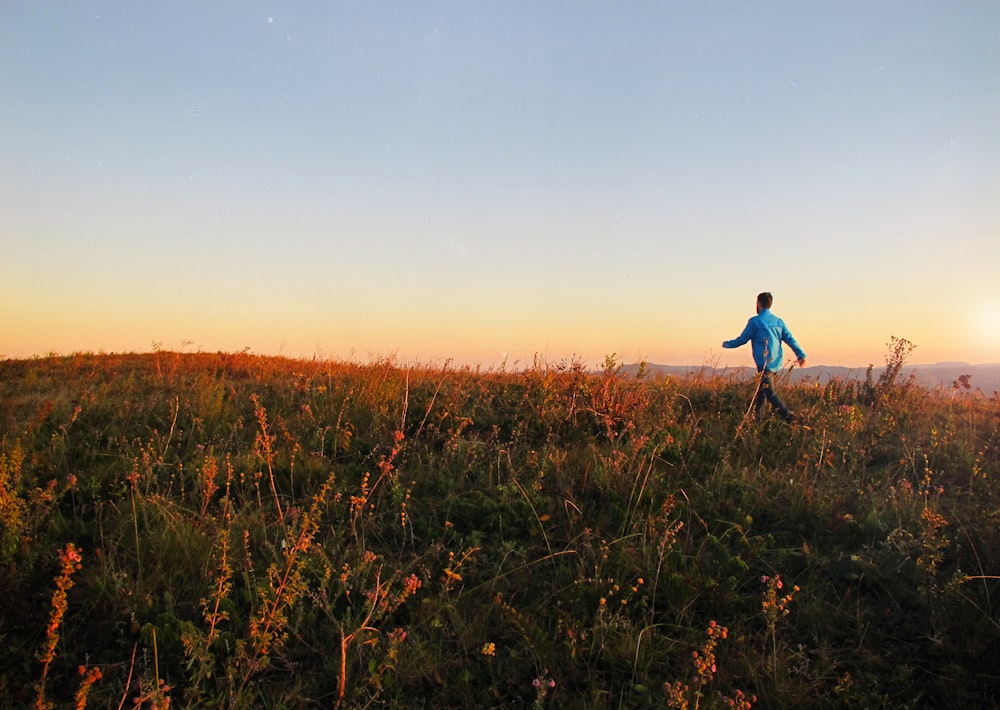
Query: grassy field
(237, 531)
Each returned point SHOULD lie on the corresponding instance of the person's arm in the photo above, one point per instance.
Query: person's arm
(742, 338)
(786, 335)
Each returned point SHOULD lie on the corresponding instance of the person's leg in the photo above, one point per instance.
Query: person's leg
(767, 389)
(760, 399)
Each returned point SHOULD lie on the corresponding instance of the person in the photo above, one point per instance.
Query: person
(766, 332)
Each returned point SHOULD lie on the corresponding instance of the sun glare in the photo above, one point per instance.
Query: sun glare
(988, 324)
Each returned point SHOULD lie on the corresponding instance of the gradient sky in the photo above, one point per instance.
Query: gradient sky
(484, 181)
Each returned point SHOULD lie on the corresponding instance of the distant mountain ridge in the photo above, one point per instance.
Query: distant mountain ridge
(938, 375)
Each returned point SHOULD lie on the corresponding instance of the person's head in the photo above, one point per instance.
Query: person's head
(764, 301)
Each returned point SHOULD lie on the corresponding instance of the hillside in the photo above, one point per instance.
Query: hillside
(232, 531)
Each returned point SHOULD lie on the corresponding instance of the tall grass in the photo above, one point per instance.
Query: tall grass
(240, 531)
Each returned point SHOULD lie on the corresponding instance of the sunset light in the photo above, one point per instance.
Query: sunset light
(491, 182)
(480, 353)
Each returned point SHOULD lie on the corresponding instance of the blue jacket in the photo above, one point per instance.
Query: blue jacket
(766, 332)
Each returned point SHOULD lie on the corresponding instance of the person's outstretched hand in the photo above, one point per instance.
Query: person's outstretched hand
(802, 362)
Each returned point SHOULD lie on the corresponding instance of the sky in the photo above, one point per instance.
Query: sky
(493, 183)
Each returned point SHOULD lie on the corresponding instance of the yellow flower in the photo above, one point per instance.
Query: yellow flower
(489, 649)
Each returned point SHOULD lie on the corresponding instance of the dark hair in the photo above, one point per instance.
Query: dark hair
(765, 299)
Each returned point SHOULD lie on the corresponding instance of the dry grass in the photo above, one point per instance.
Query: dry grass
(448, 537)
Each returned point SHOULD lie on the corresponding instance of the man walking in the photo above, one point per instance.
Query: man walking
(766, 332)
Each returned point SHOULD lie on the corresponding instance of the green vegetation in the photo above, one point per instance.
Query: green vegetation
(236, 531)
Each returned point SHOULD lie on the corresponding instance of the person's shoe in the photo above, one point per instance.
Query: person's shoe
(795, 420)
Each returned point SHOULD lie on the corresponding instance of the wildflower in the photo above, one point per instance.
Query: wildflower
(411, 584)
(489, 649)
(89, 678)
(69, 558)
(542, 686)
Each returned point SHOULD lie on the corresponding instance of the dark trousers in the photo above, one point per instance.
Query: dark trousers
(765, 393)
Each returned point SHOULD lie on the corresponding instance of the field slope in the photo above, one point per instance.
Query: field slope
(237, 531)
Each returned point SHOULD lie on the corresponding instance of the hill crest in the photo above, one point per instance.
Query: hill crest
(943, 375)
